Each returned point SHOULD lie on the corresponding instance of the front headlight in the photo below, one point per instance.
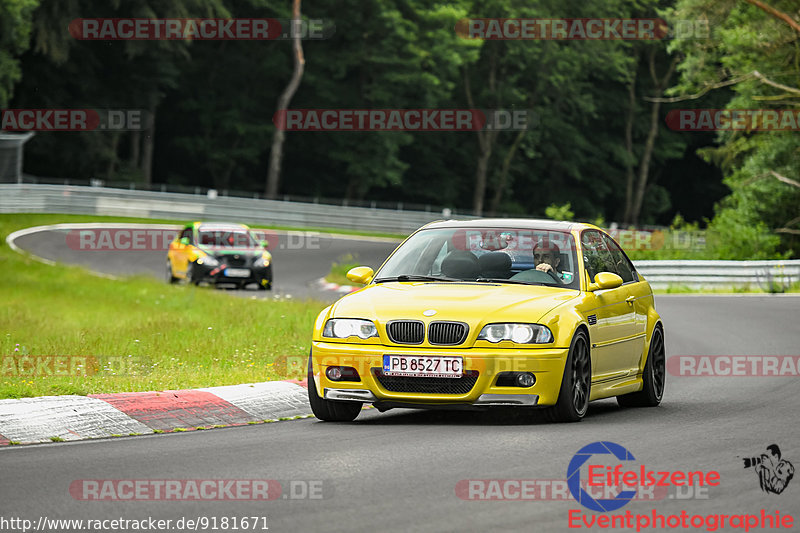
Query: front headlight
(208, 260)
(264, 260)
(342, 328)
(518, 333)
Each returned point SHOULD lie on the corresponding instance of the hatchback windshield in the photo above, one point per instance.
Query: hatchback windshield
(502, 255)
(235, 238)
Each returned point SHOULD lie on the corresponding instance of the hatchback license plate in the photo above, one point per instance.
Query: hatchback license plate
(422, 366)
(237, 272)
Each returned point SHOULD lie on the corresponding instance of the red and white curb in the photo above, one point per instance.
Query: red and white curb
(335, 287)
(67, 418)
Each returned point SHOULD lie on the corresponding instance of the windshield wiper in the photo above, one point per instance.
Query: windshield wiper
(512, 281)
(414, 277)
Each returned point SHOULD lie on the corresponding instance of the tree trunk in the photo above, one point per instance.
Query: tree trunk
(149, 142)
(276, 153)
(136, 144)
(484, 154)
(112, 161)
(644, 165)
(486, 140)
(501, 180)
(630, 173)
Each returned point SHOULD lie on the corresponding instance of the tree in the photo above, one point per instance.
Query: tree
(755, 51)
(15, 31)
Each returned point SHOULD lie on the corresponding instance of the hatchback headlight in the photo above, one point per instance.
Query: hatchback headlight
(263, 260)
(518, 333)
(208, 260)
(342, 328)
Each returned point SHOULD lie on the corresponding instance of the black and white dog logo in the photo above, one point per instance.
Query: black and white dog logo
(774, 473)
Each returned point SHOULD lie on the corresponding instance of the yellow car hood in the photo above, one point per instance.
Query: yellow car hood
(472, 303)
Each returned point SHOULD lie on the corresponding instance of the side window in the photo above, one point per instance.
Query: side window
(625, 268)
(596, 256)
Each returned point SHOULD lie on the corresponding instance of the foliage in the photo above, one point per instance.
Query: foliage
(746, 40)
(559, 212)
(15, 31)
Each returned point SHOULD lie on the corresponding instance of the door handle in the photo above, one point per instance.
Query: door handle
(630, 300)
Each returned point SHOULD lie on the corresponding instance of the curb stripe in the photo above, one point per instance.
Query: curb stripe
(266, 401)
(168, 410)
(37, 420)
(32, 420)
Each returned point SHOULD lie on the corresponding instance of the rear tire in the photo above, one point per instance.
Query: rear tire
(576, 383)
(653, 376)
(329, 410)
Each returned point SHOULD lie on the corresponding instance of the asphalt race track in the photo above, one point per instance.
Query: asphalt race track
(299, 258)
(399, 471)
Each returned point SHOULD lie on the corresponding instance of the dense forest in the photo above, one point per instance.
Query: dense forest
(601, 147)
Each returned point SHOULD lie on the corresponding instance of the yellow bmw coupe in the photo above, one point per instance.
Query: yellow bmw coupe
(492, 312)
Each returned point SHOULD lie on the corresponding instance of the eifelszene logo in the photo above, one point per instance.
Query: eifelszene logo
(774, 473)
(574, 476)
(617, 477)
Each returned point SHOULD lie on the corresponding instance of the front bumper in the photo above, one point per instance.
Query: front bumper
(547, 365)
(219, 274)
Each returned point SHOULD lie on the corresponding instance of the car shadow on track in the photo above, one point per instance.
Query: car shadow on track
(600, 410)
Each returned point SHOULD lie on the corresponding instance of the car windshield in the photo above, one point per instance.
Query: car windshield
(221, 238)
(499, 255)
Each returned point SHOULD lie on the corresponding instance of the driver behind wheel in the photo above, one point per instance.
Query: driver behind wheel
(547, 257)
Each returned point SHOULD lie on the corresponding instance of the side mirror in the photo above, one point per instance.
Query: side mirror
(361, 275)
(265, 244)
(605, 280)
(185, 241)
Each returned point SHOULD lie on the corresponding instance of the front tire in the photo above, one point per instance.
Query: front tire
(329, 410)
(266, 283)
(190, 276)
(576, 383)
(653, 376)
(170, 277)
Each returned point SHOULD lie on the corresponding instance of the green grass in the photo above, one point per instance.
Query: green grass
(339, 269)
(145, 334)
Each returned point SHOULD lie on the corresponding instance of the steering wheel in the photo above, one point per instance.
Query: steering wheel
(536, 276)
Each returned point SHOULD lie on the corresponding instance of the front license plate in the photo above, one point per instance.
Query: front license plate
(423, 367)
(237, 272)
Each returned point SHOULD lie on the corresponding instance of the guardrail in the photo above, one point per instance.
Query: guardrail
(770, 276)
(773, 276)
(71, 199)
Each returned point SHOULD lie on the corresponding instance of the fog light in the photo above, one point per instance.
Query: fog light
(342, 373)
(525, 379)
